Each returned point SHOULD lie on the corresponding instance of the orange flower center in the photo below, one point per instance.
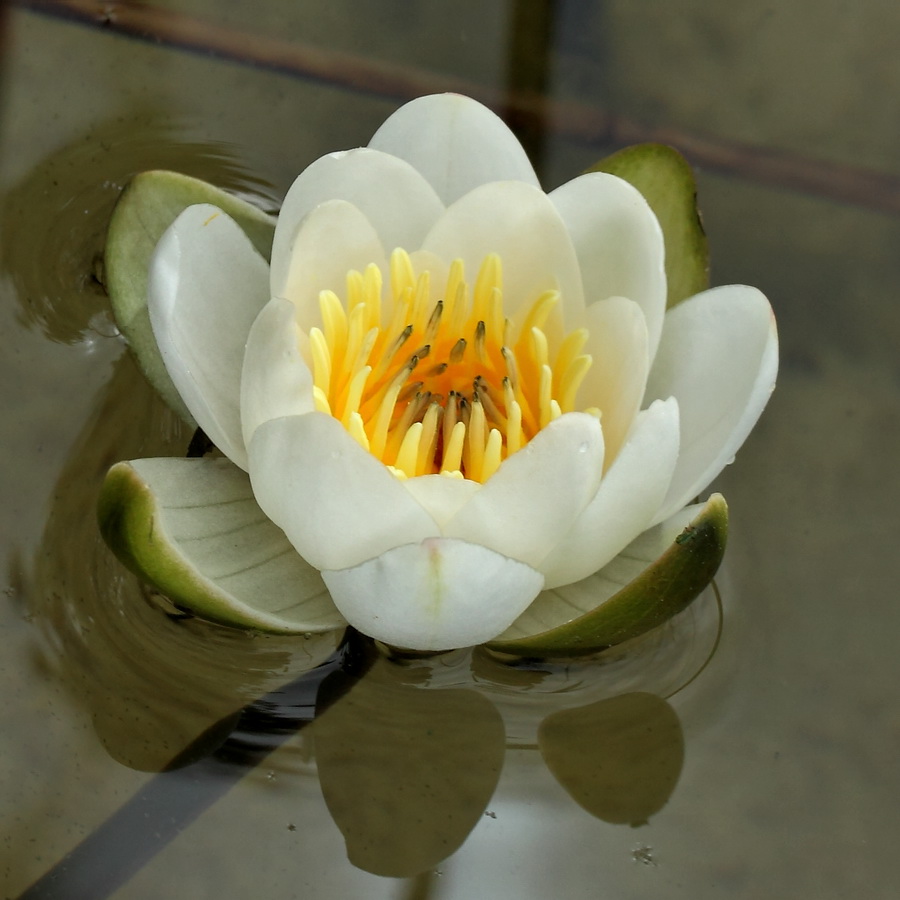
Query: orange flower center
(444, 386)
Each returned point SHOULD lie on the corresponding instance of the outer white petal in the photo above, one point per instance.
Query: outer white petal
(523, 510)
(719, 357)
(619, 244)
(556, 606)
(337, 504)
(213, 529)
(334, 238)
(390, 193)
(435, 595)
(276, 380)
(206, 286)
(626, 500)
(456, 143)
(617, 378)
(518, 222)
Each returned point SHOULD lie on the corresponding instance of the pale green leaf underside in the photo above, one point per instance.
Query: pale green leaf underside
(147, 207)
(192, 528)
(667, 182)
(654, 578)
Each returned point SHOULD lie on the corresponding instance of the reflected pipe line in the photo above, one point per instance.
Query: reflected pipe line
(171, 800)
(523, 109)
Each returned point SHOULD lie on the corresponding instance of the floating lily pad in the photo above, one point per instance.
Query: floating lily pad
(147, 207)
(663, 589)
(667, 182)
(191, 528)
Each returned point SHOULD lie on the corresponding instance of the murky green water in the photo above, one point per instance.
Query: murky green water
(772, 773)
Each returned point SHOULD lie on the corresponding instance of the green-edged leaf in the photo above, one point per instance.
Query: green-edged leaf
(653, 579)
(147, 207)
(192, 528)
(618, 758)
(667, 182)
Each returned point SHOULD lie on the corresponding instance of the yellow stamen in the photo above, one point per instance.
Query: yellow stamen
(452, 461)
(409, 450)
(321, 360)
(448, 385)
(357, 431)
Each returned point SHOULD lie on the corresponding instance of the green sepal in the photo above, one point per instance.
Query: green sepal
(229, 564)
(661, 591)
(147, 207)
(667, 182)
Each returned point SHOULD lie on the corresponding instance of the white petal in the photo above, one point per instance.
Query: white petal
(719, 357)
(556, 606)
(626, 500)
(532, 500)
(442, 496)
(338, 505)
(439, 594)
(617, 378)
(390, 193)
(222, 548)
(519, 223)
(276, 380)
(333, 239)
(206, 286)
(456, 143)
(619, 244)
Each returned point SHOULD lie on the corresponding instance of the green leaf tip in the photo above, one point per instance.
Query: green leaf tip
(661, 591)
(147, 207)
(666, 180)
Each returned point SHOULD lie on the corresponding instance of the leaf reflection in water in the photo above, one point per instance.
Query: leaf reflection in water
(619, 758)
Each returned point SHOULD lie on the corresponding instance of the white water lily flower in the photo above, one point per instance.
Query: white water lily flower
(451, 390)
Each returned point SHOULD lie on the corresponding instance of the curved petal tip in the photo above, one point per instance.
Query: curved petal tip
(439, 594)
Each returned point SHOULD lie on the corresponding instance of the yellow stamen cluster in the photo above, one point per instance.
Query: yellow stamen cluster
(440, 386)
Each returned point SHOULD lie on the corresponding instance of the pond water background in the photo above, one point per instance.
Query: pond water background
(775, 770)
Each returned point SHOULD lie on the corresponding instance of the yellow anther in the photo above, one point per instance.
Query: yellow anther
(321, 360)
(334, 322)
(403, 278)
(428, 440)
(571, 380)
(320, 400)
(357, 430)
(354, 394)
(473, 454)
(408, 454)
(545, 394)
(492, 454)
(537, 314)
(490, 277)
(453, 449)
(571, 346)
(514, 437)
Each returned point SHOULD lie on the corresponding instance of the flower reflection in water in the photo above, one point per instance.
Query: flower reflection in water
(408, 750)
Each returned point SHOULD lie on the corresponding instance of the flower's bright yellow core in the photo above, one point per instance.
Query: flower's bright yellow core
(440, 387)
